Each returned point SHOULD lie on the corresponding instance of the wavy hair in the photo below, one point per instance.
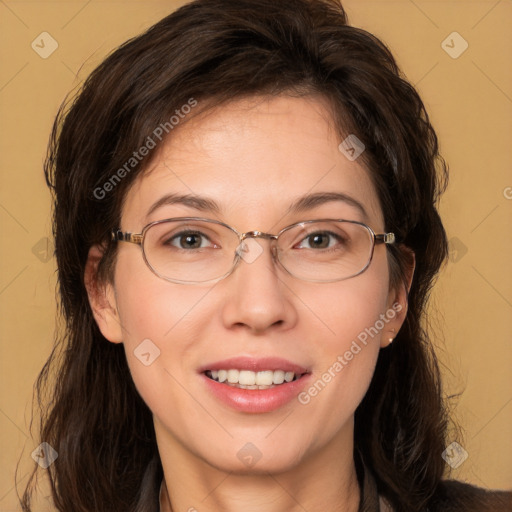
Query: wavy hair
(216, 51)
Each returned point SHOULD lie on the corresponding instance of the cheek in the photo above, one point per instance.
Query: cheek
(347, 309)
(160, 321)
(350, 315)
(150, 307)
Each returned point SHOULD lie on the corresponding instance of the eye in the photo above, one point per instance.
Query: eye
(322, 240)
(187, 240)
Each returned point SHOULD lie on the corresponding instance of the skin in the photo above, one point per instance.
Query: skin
(254, 157)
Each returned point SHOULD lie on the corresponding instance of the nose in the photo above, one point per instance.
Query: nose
(257, 294)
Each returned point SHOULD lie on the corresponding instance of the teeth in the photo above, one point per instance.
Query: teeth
(241, 386)
(247, 379)
(288, 376)
(233, 376)
(278, 377)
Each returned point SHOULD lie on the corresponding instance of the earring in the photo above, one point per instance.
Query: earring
(390, 339)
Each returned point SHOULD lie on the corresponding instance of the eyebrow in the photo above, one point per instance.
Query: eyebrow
(197, 202)
(311, 201)
(301, 205)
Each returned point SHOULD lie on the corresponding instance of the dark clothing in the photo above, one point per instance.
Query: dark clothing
(450, 496)
(453, 496)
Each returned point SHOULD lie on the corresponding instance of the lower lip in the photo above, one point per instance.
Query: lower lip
(257, 400)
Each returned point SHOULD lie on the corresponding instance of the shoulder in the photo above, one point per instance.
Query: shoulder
(454, 496)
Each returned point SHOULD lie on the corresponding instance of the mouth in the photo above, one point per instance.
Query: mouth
(247, 379)
(255, 385)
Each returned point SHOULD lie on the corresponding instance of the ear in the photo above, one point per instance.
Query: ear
(102, 298)
(398, 300)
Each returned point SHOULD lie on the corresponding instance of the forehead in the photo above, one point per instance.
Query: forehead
(254, 158)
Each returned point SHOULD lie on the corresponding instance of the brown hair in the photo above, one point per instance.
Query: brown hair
(215, 51)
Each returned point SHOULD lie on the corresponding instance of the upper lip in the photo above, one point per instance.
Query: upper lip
(255, 365)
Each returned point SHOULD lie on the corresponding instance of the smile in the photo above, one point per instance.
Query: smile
(247, 379)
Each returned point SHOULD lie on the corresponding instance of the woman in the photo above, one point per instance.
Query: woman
(246, 235)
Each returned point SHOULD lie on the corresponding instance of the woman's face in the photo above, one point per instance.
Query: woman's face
(254, 159)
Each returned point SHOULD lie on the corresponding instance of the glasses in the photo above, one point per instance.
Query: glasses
(193, 250)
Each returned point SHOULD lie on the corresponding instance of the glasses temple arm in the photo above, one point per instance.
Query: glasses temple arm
(386, 238)
(121, 236)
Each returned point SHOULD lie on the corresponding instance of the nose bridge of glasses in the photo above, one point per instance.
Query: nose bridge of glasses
(251, 251)
(257, 234)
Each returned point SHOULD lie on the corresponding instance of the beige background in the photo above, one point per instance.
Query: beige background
(470, 102)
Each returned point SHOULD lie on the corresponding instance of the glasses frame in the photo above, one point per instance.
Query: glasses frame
(138, 238)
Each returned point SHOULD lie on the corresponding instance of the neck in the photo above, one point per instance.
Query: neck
(322, 482)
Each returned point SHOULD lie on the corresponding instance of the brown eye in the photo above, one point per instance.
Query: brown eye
(321, 240)
(188, 240)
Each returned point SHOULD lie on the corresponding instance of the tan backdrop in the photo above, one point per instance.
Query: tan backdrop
(457, 53)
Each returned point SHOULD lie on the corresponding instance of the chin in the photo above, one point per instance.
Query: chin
(261, 467)
(254, 458)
